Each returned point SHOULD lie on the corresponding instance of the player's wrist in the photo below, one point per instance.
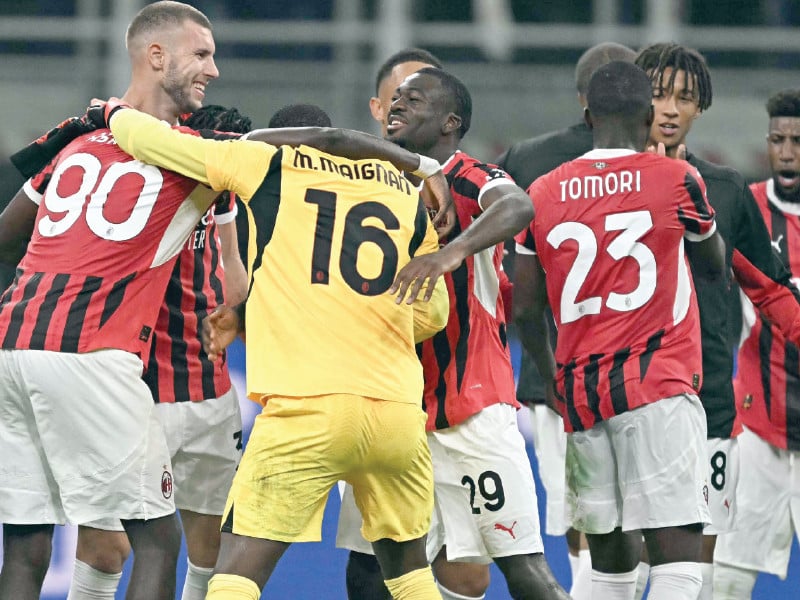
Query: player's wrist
(427, 166)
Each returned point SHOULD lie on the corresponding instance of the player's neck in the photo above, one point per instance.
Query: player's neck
(151, 104)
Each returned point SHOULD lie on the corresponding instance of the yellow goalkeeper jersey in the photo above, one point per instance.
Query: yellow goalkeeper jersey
(327, 237)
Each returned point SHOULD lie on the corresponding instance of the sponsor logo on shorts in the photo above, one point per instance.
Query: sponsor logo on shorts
(166, 484)
(509, 530)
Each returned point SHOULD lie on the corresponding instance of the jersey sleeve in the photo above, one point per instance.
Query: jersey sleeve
(225, 208)
(235, 165)
(776, 301)
(694, 211)
(478, 179)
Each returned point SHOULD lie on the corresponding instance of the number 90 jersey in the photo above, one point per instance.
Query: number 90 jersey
(608, 232)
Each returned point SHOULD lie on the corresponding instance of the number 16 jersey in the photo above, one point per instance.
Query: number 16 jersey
(609, 232)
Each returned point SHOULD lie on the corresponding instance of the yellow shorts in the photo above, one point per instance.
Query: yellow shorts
(300, 448)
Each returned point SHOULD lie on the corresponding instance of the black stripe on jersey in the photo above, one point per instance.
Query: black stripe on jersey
(467, 188)
(151, 375)
(264, 207)
(764, 351)
(653, 344)
(461, 292)
(791, 362)
(46, 310)
(420, 227)
(4, 299)
(696, 195)
(619, 397)
(175, 330)
(591, 379)
(18, 312)
(452, 172)
(569, 396)
(441, 349)
(77, 314)
(115, 298)
(209, 391)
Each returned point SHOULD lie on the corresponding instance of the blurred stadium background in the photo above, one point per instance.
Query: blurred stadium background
(516, 57)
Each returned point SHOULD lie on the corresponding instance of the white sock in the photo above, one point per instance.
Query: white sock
(675, 581)
(707, 591)
(448, 595)
(581, 576)
(90, 584)
(733, 583)
(641, 580)
(195, 586)
(614, 586)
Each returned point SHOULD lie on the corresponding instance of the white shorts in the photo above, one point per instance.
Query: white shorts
(484, 495)
(642, 469)
(768, 508)
(79, 439)
(550, 445)
(723, 476)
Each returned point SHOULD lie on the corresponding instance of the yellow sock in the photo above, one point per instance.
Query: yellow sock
(223, 586)
(416, 585)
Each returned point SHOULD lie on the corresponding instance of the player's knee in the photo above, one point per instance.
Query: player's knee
(105, 551)
(28, 547)
(465, 579)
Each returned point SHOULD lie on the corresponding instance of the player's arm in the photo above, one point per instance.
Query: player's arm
(507, 210)
(16, 226)
(707, 256)
(530, 317)
(706, 250)
(430, 316)
(235, 273)
(776, 301)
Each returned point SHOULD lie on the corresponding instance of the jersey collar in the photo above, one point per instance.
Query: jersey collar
(782, 205)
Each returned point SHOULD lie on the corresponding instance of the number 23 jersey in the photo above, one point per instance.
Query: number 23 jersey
(609, 231)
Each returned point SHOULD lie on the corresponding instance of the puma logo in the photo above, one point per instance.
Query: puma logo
(510, 530)
(777, 243)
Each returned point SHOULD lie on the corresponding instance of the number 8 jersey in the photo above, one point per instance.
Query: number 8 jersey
(107, 233)
(609, 232)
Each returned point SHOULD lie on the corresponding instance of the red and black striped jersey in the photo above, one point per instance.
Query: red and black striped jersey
(767, 383)
(467, 365)
(106, 235)
(179, 368)
(609, 231)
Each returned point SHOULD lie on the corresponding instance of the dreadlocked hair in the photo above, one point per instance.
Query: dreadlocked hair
(785, 103)
(657, 58)
(218, 118)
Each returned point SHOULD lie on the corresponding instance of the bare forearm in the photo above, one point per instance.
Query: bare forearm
(535, 337)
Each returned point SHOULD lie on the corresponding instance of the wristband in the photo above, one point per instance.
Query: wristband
(427, 166)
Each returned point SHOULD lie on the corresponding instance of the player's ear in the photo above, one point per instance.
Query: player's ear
(587, 118)
(155, 56)
(451, 124)
(376, 109)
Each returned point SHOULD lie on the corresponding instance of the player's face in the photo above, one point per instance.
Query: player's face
(190, 66)
(417, 114)
(783, 150)
(380, 110)
(675, 109)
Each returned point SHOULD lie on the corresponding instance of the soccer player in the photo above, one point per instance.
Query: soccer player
(525, 162)
(609, 234)
(325, 261)
(681, 92)
(391, 74)
(766, 388)
(485, 495)
(77, 323)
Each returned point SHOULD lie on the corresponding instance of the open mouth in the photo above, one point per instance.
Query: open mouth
(668, 129)
(787, 179)
(394, 123)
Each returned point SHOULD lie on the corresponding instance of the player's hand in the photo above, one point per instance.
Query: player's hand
(661, 150)
(218, 331)
(421, 270)
(35, 156)
(551, 397)
(100, 111)
(436, 196)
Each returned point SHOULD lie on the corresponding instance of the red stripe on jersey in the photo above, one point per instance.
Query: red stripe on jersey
(467, 365)
(608, 232)
(767, 382)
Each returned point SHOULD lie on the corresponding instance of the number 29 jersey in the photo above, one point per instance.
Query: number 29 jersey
(609, 232)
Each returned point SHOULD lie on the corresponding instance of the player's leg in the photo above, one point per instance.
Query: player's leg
(26, 556)
(761, 538)
(100, 555)
(460, 580)
(674, 431)
(156, 544)
(615, 557)
(580, 563)
(279, 492)
(205, 443)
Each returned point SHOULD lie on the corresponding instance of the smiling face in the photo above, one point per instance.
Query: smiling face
(189, 66)
(783, 150)
(380, 104)
(418, 114)
(675, 109)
